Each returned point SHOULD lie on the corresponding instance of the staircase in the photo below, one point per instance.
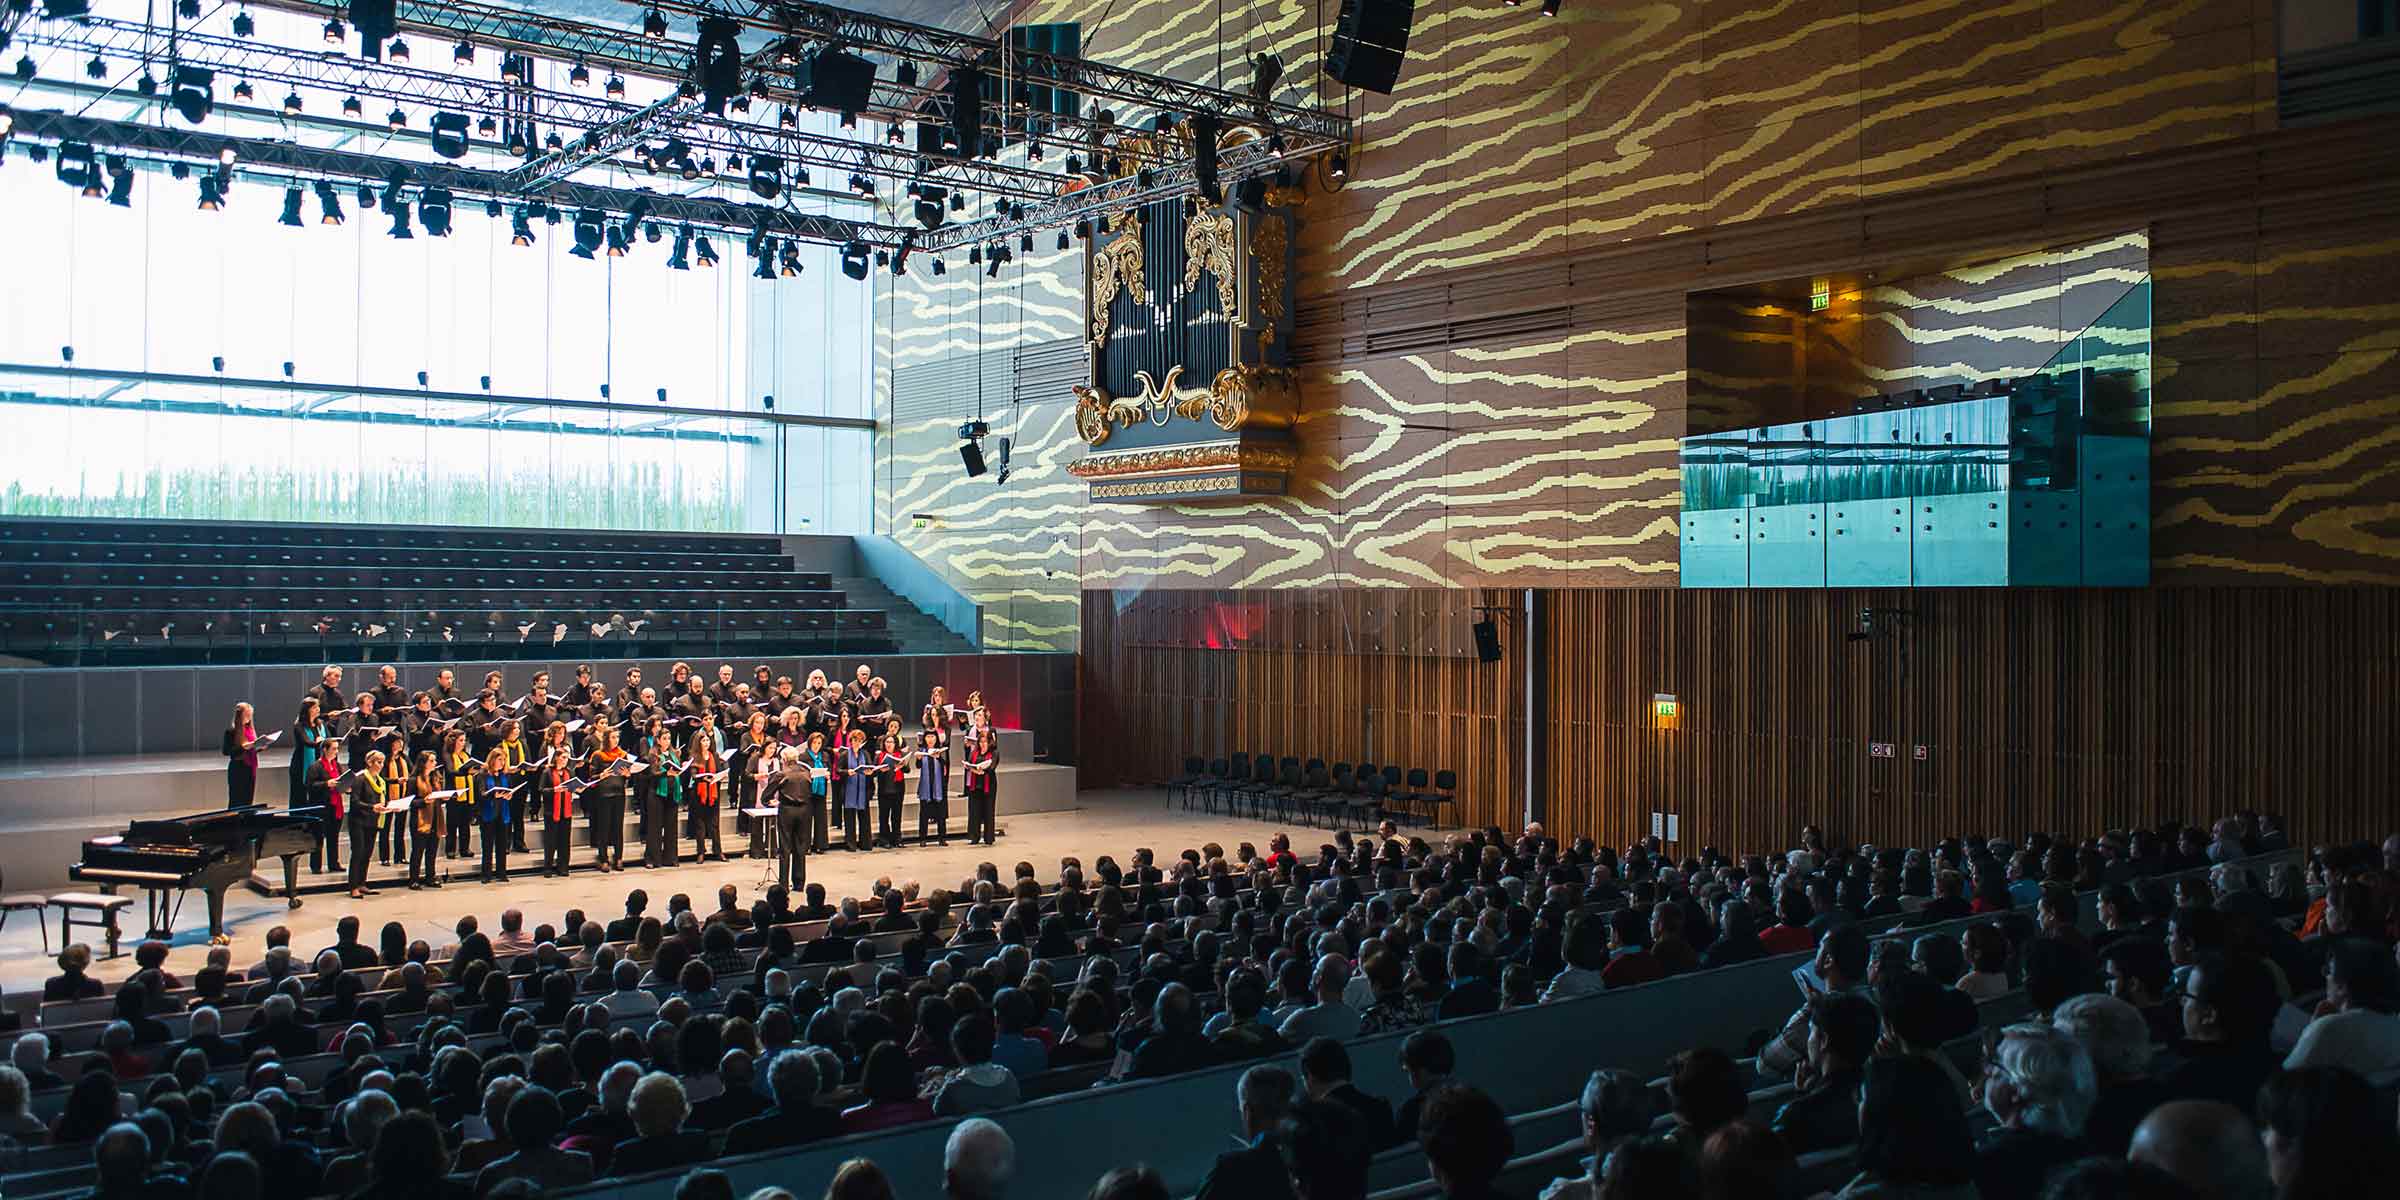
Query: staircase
(911, 630)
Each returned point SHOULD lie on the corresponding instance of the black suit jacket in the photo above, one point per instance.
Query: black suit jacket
(623, 928)
(727, 1109)
(777, 1128)
(1821, 1118)
(827, 949)
(1254, 1172)
(637, 1155)
(1374, 1110)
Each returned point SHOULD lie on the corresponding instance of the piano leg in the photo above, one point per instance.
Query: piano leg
(216, 918)
(291, 880)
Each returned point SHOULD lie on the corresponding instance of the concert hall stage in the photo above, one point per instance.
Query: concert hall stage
(49, 809)
(1109, 821)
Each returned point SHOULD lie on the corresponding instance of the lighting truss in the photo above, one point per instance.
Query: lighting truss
(282, 162)
(1119, 107)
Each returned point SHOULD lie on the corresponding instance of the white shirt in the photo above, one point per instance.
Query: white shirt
(1574, 981)
(1335, 1020)
(636, 1003)
(2365, 1042)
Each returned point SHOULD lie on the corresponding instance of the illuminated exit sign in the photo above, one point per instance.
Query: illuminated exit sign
(1663, 706)
(1820, 295)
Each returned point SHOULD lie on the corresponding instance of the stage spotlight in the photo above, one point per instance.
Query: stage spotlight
(366, 198)
(449, 136)
(242, 90)
(243, 26)
(189, 10)
(679, 258)
(292, 196)
(579, 75)
(120, 183)
(650, 233)
(1204, 156)
(353, 107)
(329, 204)
(766, 263)
(654, 24)
(587, 233)
(1063, 242)
(859, 184)
(334, 32)
(462, 53)
(397, 119)
(518, 147)
(77, 165)
(1025, 244)
(702, 250)
(854, 259)
(938, 268)
(958, 202)
(791, 260)
(211, 199)
(520, 229)
(399, 210)
(766, 176)
(553, 143)
(1339, 165)
(434, 209)
(974, 256)
(615, 87)
(194, 95)
(25, 67)
(96, 68)
(905, 74)
(512, 68)
(1083, 230)
(486, 127)
(397, 51)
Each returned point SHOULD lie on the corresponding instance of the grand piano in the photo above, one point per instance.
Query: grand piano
(211, 851)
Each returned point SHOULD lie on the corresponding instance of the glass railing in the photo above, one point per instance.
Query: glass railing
(84, 635)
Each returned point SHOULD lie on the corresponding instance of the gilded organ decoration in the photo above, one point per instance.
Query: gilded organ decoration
(1185, 293)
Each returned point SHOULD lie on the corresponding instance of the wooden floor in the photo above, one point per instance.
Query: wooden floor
(1111, 822)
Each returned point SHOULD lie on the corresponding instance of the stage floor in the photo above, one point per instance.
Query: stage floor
(1113, 822)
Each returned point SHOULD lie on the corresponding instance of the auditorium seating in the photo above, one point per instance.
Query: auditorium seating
(1340, 794)
(104, 592)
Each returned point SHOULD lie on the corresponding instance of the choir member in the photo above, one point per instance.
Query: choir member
(495, 795)
(678, 677)
(420, 729)
(708, 774)
(666, 804)
(512, 750)
(643, 787)
(604, 800)
(788, 790)
(721, 691)
(484, 724)
(693, 711)
(390, 697)
(241, 758)
(791, 732)
(362, 809)
(983, 785)
(743, 765)
(328, 693)
(734, 714)
(308, 743)
(364, 734)
(538, 708)
(556, 778)
(781, 696)
(495, 683)
(854, 692)
(458, 761)
(446, 699)
(933, 785)
(324, 794)
(391, 829)
(425, 823)
(935, 719)
(819, 764)
(858, 791)
(764, 767)
(874, 712)
(631, 693)
(891, 785)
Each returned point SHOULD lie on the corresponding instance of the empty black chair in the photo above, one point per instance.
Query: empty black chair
(1237, 775)
(1288, 781)
(1195, 771)
(1444, 796)
(1411, 802)
(1262, 778)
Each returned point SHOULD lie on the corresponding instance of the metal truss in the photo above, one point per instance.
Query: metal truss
(282, 162)
(1250, 160)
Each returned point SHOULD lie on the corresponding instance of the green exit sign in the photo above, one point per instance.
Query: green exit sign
(1663, 706)
(1820, 295)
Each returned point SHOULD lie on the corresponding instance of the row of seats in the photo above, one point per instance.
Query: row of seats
(483, 601)
(1339, 793)
(320, 537)
(449, 558)
(518, 577)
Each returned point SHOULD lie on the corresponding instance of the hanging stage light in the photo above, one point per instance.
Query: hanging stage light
(1025, 244)
(77, 165)
(486, 127)
(397, 51)
(292, 196)
(242, 91)
(97, 68)
(462, 53)
(243, 26)
(366, 198)
(352, 107)
(587, 233)
(25, 67)
(616, 242)
(211, 199)
(679, 258)
(650, 232)
(938, 268)
(194, 95)
(189, 10)
(291, 104)
(766, 176)
(513, 68)
(766, 262)
(854, 259)
(706, 253)
(449, 136)
(1064, 243)
(120, 183)
(520, 228)
(399, 211)
(434, 209)
(791, 260)
(397, 119)
(654, 24)
(329, 204)
(554, 143)
(616, 87)
(334, 32)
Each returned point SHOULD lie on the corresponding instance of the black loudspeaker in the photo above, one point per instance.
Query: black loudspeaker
(1487, 640)
(1370, 38)
(832, 79)
(971, 453)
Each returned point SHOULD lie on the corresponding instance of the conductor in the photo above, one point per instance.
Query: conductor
(787, 790)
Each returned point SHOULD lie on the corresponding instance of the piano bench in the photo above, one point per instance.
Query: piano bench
(70, 903)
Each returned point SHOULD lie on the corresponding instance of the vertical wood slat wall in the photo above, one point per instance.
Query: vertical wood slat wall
(1386, 676)
(2038, 709)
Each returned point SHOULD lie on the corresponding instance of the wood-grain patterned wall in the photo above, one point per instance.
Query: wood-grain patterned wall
(2037, 709)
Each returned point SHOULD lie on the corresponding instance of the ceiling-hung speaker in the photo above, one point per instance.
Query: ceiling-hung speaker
(834, 80)
(971, 453)
(1487, 640)
(1370, 37)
